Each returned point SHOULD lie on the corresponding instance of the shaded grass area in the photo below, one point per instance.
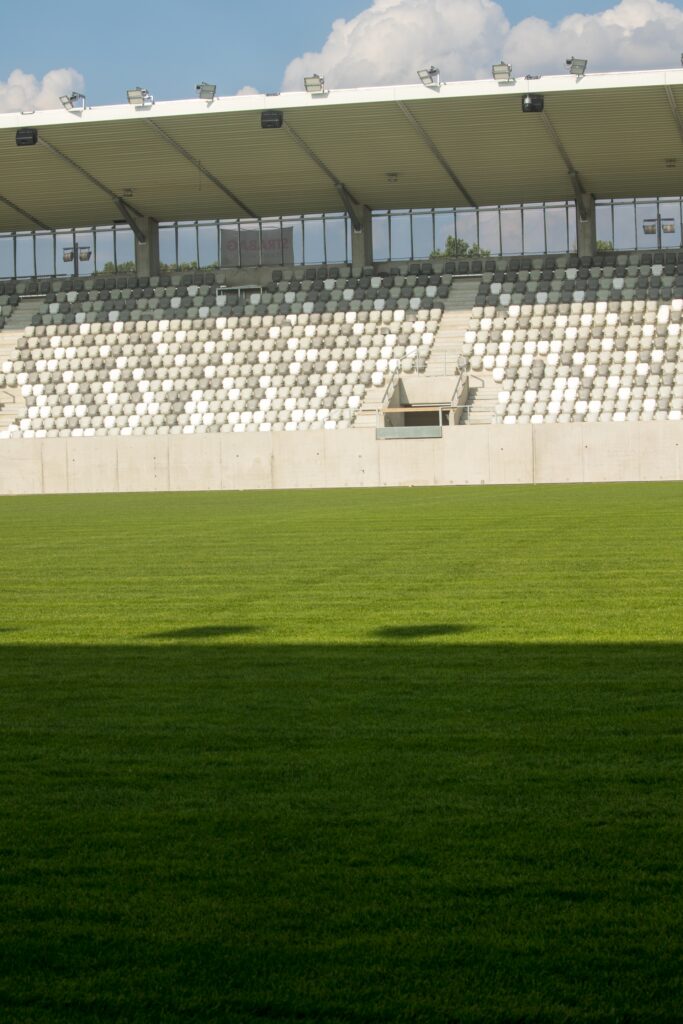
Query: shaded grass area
(453, 795)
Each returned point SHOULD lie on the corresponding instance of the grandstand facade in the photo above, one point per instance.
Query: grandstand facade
(288, 310)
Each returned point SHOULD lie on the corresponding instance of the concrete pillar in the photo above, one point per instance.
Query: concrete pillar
(586, 230)
(147, 252)
(361, 242)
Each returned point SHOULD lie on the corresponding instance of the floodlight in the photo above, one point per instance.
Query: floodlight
(26, 136)
(577, 66)
(75, 101)
(533, 103)
(84, 253)
(668, 226)
(68, 255)
(139, 97)
(649, 227)
(206, 91)
(314, 84)
(429, 76)
(502, 72)
(271, 119)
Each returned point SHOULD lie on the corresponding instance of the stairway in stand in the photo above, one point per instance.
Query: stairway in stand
(481, 400)
(447, 347)
(372, 403)
(23, 314)
(12, 404)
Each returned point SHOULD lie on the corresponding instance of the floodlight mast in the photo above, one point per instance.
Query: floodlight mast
(73, 101)
(139, 97)
(577, 66)
(430, 76)
(314, 84)
(206, 91)
(502, 73)
(74, 254)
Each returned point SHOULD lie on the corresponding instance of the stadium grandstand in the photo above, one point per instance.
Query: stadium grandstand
(474, 282)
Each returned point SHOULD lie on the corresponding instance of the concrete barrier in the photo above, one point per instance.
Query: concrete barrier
(548, 453)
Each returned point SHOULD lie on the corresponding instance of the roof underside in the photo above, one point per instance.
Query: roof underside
(619, 133)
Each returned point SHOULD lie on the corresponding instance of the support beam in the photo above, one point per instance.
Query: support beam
(436, 152)
(361, 242)
(586, 229)
(127, 211)
(678, 119)
(147, 251)
(131, 220)
(582, 198)
(24, 213)
(351, 205)
(201, 168)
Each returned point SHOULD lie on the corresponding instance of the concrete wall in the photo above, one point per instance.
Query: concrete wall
(550, 453)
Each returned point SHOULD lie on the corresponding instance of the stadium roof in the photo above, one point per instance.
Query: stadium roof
(459, 144)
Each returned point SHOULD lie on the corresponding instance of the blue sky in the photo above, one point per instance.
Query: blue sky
(169, 46)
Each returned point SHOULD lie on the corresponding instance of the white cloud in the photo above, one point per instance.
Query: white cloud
(386, 43)
(247, 90)
(26, 92)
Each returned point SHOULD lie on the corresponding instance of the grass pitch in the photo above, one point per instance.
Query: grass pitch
(346, 757)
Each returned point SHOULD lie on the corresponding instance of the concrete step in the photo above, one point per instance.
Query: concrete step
(8, 343)
(23, 314)
(482, 399)
(12, 404)
(372, 403)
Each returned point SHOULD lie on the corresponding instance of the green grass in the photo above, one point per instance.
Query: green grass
(343, 756)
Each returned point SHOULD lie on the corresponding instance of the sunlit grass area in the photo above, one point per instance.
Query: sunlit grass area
(345, 756)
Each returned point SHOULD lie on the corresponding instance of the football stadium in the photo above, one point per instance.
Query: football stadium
(295, 727)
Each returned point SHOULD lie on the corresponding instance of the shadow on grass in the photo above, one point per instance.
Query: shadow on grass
(416, 632)
(203, 632)
(375, 832)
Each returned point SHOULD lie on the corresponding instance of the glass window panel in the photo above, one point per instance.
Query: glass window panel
(25, 261)
(335, 239)
(466, 227)
(187, 246)
(104, 251)
(670, 213)
(603, 222)
(229, 243)
(646, 224)
(349, 239)
(511, 229)
(571, 228)
(208, 245)
(85, 240)
(380, 237)
(273, 239)
(444, 228)
(250, 243)
(314, 242)
(64, 242)
(423, 235)
(556, 228)
(168, 258)
(293, 238)
(45, 254)
(624, 226)
(400, 237)
(489, 231)
(124, 242)
(534, 229)
(6, 256)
